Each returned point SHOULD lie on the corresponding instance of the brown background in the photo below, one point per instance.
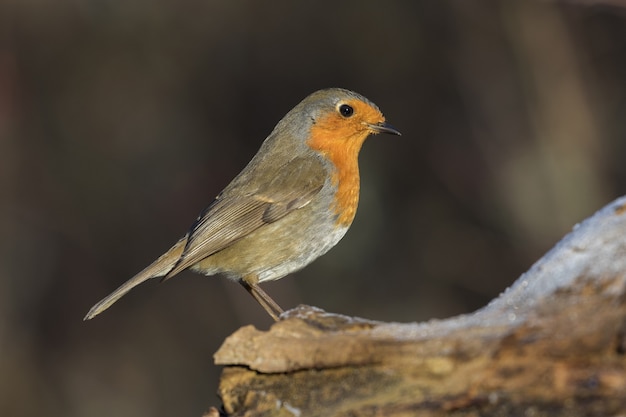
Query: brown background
(121, 120)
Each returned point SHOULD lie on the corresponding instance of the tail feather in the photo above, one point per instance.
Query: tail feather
(158, 268)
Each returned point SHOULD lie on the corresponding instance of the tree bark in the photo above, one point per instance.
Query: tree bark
(551, 345)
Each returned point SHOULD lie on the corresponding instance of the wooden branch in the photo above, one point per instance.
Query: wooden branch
(552, 345)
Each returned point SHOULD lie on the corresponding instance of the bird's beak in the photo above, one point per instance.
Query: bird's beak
(384, 127)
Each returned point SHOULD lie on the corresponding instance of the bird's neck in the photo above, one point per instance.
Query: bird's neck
(347, 181)
(343, 153)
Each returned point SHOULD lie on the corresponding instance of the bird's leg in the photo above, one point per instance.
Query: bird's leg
(272, 308)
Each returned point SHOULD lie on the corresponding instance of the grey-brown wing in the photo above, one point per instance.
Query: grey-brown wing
(232, 216)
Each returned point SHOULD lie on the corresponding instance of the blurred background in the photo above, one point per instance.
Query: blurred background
(121, 120)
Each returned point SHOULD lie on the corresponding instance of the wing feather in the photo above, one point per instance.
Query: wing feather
(234, 215)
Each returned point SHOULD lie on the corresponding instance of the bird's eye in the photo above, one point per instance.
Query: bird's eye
(346, 110)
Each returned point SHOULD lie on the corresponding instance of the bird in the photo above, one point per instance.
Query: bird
(294, 201)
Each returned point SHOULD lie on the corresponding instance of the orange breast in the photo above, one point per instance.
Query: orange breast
(341, 143)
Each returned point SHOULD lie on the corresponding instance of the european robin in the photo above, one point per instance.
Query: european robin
(294, 200)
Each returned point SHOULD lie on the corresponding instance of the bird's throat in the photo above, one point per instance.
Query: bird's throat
(343, 153)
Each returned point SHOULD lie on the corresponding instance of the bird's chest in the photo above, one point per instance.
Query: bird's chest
(340, 151)
(346, 184)
(346, 199)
